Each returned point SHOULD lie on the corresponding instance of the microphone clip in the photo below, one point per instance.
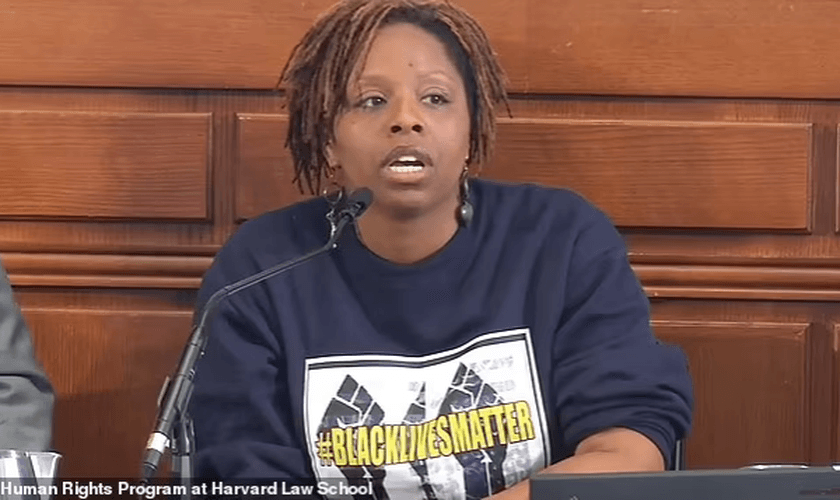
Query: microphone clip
(347, 209)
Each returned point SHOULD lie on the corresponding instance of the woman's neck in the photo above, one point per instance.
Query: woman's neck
(410, 240)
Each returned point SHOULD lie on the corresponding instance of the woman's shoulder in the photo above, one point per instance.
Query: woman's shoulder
(276, 235)
(528, 203)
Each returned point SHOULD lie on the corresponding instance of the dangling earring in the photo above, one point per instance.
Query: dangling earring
(334, 194)
(465, 211)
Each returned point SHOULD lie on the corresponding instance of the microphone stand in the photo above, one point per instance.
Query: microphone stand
(173, 419)
(182, 450)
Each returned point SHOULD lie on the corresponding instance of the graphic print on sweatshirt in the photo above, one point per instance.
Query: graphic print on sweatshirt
(460, 424)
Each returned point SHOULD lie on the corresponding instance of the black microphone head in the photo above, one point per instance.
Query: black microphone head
(359, 201)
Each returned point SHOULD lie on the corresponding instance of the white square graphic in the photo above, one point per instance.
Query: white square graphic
(457, 424)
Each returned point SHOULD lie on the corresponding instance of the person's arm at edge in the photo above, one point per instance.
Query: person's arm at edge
(26, 394)
(611, 450)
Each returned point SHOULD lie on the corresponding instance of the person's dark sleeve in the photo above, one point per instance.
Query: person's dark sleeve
(610, 369)
(240, 407)
(26, 396)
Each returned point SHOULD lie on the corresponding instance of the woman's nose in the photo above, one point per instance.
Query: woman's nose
(406, 118)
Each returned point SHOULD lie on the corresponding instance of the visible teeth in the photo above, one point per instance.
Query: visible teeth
(407, 160)
(405, 168)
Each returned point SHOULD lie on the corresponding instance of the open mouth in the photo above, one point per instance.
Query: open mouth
(406, 164)
(406, 160)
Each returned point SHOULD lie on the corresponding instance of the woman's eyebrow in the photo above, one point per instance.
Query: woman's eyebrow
(372, 79)
(380, 79)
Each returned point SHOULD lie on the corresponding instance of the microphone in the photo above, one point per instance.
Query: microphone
(178, 390)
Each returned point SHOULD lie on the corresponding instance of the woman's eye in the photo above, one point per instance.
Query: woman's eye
(436, 99)
(371, 102)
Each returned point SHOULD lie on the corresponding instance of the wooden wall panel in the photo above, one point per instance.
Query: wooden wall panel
(834, 436)
(696, 246)
(682, 47)
(264, 170)
(215, 44)
(643, 174)
(152, 43)
(107, 367)
(751, 389)
(706, 175)
(64, 270)
(837, 184)
(733, 281)
(132, 235)
(102, 165)
(741, 48)
(728, 200)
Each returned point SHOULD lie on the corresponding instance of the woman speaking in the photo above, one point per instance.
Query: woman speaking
(464, 334)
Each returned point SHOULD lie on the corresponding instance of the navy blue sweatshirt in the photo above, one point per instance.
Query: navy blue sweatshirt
(455, 377)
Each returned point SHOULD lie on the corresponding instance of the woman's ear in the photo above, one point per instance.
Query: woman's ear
(329, 154)
(334, 170)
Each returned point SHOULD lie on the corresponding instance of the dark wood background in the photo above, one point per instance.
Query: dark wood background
(136, 136)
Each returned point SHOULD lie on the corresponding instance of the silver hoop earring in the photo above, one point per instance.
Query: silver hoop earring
(335, 198)
(465, 210)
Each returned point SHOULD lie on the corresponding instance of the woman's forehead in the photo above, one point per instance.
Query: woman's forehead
(401, 47)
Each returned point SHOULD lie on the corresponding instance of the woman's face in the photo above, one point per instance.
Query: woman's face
(405, 134)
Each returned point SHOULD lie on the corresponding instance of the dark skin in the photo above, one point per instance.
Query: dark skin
(410, 94)
(413, 99)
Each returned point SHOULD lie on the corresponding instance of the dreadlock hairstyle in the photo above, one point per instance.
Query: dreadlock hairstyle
(316, 77)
